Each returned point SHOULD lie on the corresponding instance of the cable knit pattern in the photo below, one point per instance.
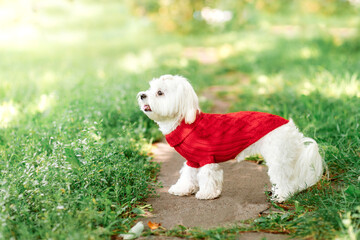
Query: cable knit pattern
(215, 138)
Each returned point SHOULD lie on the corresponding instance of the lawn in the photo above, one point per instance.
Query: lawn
(74, 147)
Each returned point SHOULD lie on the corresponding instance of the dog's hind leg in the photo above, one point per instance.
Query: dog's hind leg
(187, 184)
(293, 166)
(210, 179)
(281, 149)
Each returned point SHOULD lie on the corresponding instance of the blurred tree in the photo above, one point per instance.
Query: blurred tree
(170, 15)
(185, 16)
(325, 7)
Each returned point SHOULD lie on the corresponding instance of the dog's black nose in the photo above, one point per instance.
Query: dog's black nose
(143, 96)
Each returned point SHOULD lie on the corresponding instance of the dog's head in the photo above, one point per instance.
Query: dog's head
(168, 98)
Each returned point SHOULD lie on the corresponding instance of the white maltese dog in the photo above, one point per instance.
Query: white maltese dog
(204, 140)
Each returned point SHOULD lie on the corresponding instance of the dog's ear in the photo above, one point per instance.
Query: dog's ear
(189, 103)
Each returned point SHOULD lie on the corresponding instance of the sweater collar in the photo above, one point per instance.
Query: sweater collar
(182, 131)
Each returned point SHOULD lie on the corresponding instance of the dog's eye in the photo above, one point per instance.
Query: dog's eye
(160, 93)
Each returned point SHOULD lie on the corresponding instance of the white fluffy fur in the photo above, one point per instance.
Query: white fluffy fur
(293, 160)
(178, 102)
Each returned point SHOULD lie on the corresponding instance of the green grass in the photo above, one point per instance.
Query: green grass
(73, 145)
(73, 155)
(74, 158)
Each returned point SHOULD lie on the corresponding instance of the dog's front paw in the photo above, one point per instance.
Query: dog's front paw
(182, 190)
(208, 195)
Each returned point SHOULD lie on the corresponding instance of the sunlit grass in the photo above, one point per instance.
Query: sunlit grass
(8, 112)
(332, 86)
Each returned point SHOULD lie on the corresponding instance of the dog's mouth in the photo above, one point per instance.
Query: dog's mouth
(147, 108)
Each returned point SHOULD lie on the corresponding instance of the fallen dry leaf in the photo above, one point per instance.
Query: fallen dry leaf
(153, 225)
(286, 206)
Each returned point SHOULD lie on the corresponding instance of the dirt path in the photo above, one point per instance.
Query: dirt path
(242, 197)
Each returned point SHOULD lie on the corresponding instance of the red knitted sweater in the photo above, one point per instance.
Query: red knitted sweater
(215, 138)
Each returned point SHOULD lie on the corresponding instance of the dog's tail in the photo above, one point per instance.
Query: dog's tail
(311, 163)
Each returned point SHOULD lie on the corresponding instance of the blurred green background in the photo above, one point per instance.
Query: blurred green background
(74, 147)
